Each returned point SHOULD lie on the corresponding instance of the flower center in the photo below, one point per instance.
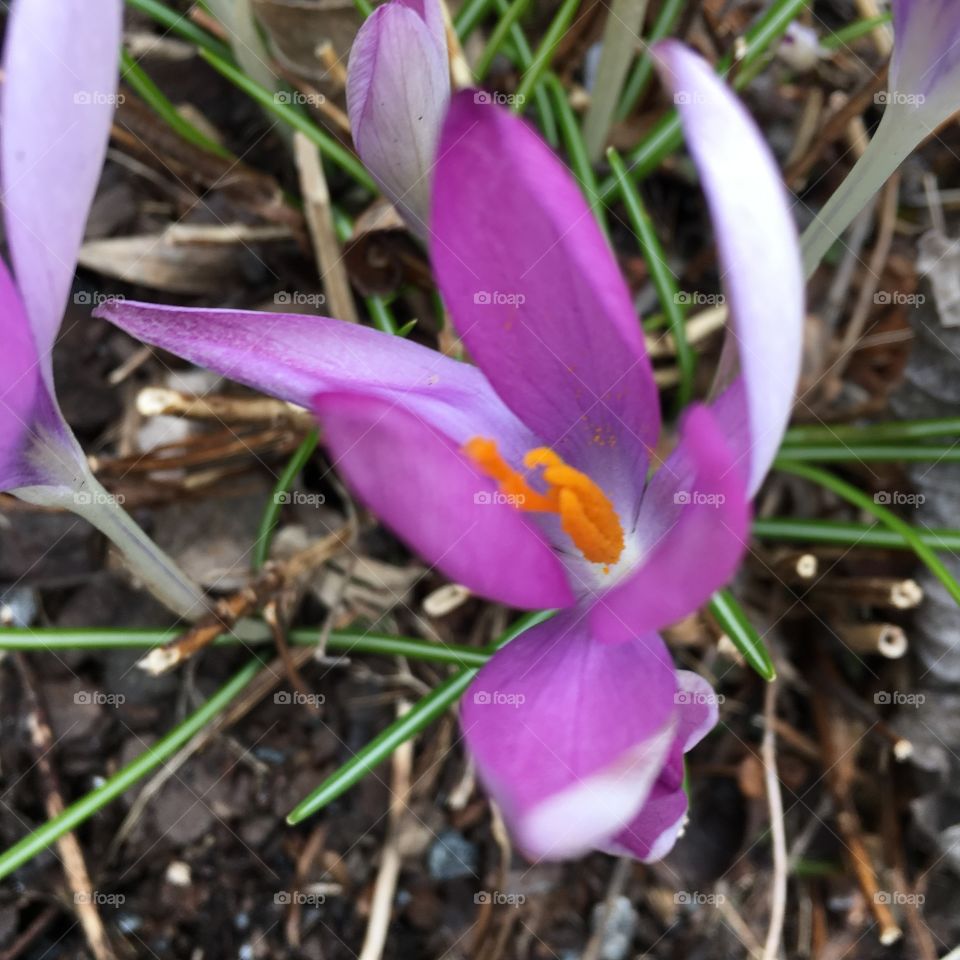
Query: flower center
(586, 513)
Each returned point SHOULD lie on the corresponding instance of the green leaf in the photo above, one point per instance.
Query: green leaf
(732, 619)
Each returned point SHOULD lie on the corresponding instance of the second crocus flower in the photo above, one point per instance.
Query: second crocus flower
(923, 93)
(60, 64)
(398, 87)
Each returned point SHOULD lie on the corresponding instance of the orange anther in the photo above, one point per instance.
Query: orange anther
(586, 513)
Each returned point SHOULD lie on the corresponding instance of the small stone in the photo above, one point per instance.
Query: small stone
(18, 607)
(179, 874)
(452, 857)
(128, 923)
(618, 930)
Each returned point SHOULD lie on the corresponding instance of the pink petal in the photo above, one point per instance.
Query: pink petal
(695, 526)
(757, 241)
(20, 382)
(398, 86)
(57, 102)
(420, 484)
(294, 357)
(653, 832)
(569, 735)
(536, 294)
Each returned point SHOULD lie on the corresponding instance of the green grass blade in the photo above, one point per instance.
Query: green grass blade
(469, 16)
(500, 32)
(116, 785)
(642, 71)
(667, 135)
(576, 148)
(328, 147)
(182, 25)
(137, 77)
(340, 641)
(854, 31)
(870, 453)
(402, 729)
(897, 430)
(734, 623)
(545, 51)
(859, 499)
(271, 516)
(660, 273)
(848, 534)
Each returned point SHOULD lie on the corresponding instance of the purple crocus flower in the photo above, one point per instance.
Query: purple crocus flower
(526, 477)
(398, 87)
(58, 97)
(923, 93)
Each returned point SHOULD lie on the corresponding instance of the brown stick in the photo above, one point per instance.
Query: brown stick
(319, 214)
(848, 822)
(886, 639)
(892, 592)
(227, 612)
(162, 401)
(74, 865)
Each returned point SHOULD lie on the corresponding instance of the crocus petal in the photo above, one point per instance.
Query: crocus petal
(924, 92)
(19, 382)
(420, 484)
(569, 735)
(653, 832)
(536, 295)
(925, 65)
(294, 357)
(431, 12)
(757, 243)
(57, 101)
(694, 525)
(398, 86)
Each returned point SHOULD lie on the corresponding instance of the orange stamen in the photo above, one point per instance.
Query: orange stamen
(586, 513)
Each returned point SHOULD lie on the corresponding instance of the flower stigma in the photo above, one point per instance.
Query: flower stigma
(586, 513)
